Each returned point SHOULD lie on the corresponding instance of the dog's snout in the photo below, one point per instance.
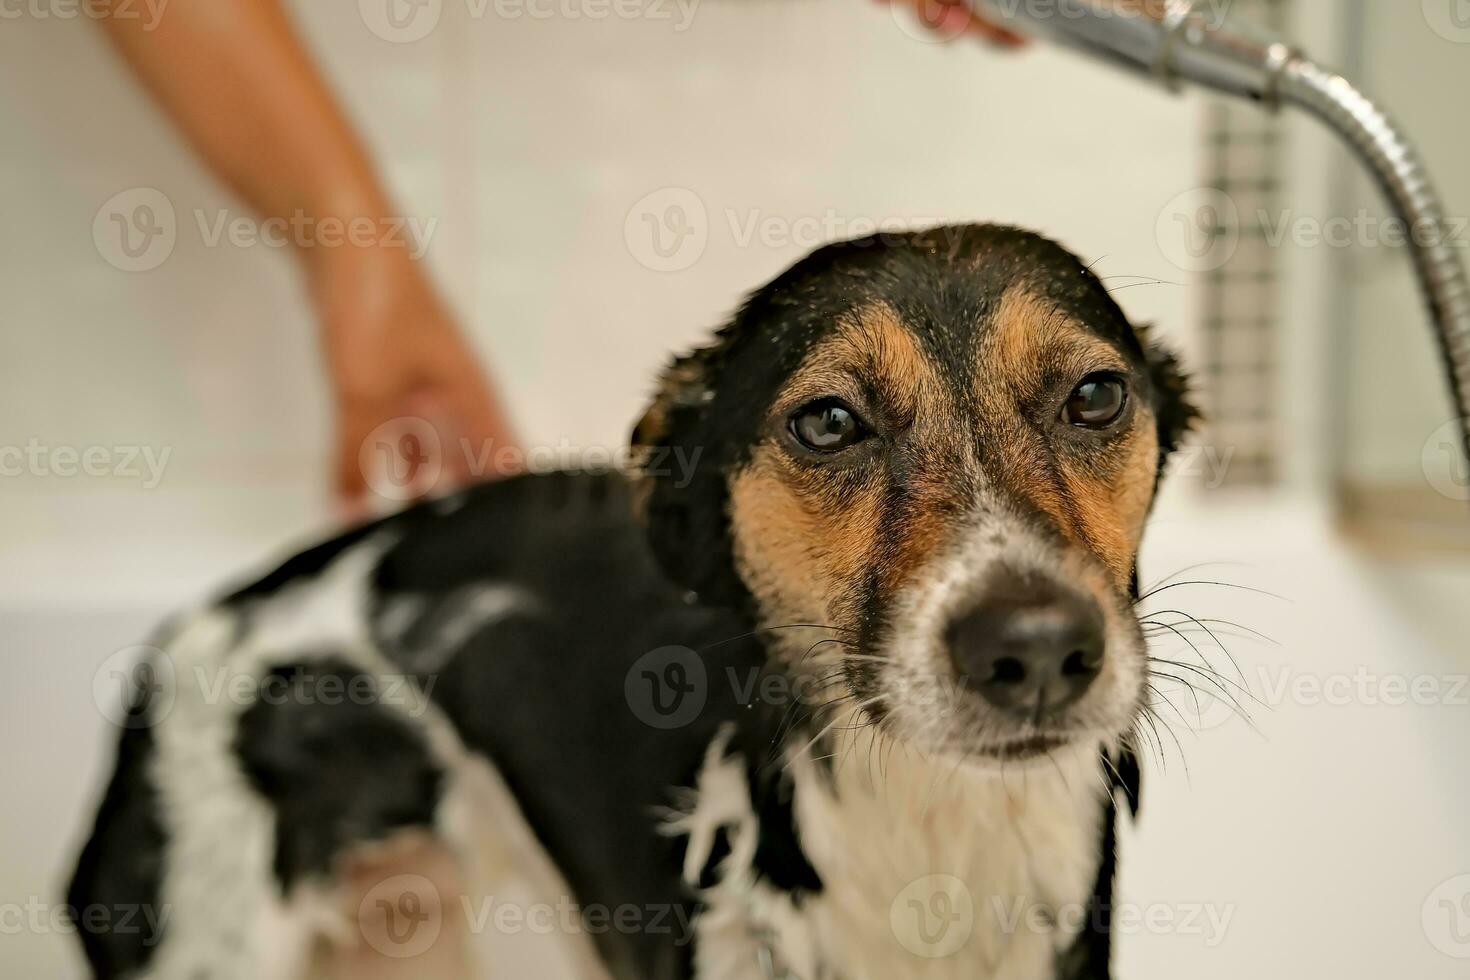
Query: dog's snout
(1032, 655)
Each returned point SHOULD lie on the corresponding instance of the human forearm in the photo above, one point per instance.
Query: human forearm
(243, 90)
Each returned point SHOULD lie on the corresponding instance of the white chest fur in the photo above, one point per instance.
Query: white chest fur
(931, 869)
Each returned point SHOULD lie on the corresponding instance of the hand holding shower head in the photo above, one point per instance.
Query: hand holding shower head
(1177, 41)
(1172, 41)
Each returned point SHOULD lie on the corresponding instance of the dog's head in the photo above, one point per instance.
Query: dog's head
(942, 445)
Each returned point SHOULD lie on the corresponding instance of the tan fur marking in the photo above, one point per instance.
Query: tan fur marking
(1101, 506)
(872, 343)
(1030, 336)
(813, 537)
(1111, 506)
(802, 553)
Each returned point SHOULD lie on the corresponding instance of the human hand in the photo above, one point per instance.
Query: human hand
(245, 92)
(398, 364)
(951, 18)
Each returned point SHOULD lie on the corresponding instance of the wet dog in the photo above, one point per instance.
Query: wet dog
(837, 682)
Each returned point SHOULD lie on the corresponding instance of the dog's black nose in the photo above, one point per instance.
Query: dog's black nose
(1033, 654)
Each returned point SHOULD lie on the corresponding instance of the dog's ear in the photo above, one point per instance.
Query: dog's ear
(1173, 403)
(680, 490)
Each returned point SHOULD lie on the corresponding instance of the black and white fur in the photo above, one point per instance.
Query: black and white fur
(505, 634)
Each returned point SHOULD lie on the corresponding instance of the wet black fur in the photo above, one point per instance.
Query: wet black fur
(335, 774)
(121, 866)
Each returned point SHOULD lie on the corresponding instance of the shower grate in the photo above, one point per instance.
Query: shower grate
(1243, 151)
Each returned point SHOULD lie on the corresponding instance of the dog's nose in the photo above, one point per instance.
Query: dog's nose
(1032, 655)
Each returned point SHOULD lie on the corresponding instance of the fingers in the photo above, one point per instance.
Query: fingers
(354, 456)
(396, 451)
(994, 33)
(951, 18)
(490, 448)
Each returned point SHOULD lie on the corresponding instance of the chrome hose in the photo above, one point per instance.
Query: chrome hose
(1401, 174)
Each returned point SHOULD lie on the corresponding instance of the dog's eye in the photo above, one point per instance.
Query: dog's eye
(827, 426)
(1096, 402)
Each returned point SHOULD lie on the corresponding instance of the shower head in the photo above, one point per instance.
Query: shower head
(1172, 41)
